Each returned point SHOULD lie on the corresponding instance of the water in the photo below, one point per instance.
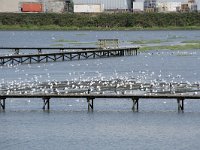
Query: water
(112, 124)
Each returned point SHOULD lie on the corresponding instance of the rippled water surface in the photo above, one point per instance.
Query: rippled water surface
(112, 124)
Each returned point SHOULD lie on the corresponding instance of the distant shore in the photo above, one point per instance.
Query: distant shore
(73, 28)
(103, 21)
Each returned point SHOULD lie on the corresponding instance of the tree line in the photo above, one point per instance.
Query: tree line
(102, 20)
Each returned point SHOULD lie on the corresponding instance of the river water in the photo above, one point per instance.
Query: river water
(112, 124)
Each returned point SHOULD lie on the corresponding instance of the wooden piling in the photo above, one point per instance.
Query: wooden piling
(180, 102)
(90, 103)
(2, 104)
(46, 103)
(135, 104)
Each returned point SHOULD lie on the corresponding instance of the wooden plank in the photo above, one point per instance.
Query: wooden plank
(158, 96)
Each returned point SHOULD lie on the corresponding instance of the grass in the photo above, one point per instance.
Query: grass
(191, 41)
(172, 47)
(81, 34)
(66, 28)
(74, 42)
(66, 41)
(57, 45)
(146, 41)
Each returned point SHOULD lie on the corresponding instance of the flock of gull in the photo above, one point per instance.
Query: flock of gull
(115, 86)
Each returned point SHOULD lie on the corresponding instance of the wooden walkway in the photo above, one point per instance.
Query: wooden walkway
(91, 97)
(64, 54)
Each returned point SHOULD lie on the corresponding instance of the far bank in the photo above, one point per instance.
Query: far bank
(118, 21)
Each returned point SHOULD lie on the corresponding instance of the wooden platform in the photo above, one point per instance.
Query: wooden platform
(64, 54)
(90, 98)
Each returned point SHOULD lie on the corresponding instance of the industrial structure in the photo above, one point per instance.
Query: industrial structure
(37, 6)
(166, 6)
(98, 6)
(109, 5)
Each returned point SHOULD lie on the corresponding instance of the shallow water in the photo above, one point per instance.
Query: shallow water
(112, 124)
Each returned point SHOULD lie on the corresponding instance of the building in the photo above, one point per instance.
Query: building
(54, 6)
(150, 5)
(34, 6)
(109, 5)
(9, 6)
(61, 6)
(138, 6)
(88, 8)
(168, 6)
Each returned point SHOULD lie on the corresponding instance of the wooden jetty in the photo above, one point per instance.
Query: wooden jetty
(64, 54)
(91, 97)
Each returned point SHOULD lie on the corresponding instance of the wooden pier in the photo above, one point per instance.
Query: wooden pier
(64, 54)
(91, 97)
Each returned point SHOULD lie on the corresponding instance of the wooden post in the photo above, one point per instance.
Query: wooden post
(70, 56)
(2, 103)
(30, 60)
(38, 59)
(47, 58)
(135, 107)
(93, 54)
(12, 62)
(55, 57)
(180, 102)
(79, 56)
(63, 57)
(46, 103)
(90, 104)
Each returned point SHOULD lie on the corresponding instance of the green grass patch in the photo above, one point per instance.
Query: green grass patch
(146, 41)
(76, 28)
(74, 42)
(172, 47)
(184, 54)
(57, 45)
(81, 34)
(191, 41)
(66, 41)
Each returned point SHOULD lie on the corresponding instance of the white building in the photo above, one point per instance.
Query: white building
(109, 5)
(168, 6)
(15, 6)
(9, 6)
(88, 8)
(177, 1)
(138, 6)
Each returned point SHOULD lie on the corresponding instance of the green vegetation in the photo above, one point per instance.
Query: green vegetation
(146, 41)
(66, 41)
(58, 45)
(103, 21)
(81, 34)
(172, 47)
(74, 42)
(191, 41)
